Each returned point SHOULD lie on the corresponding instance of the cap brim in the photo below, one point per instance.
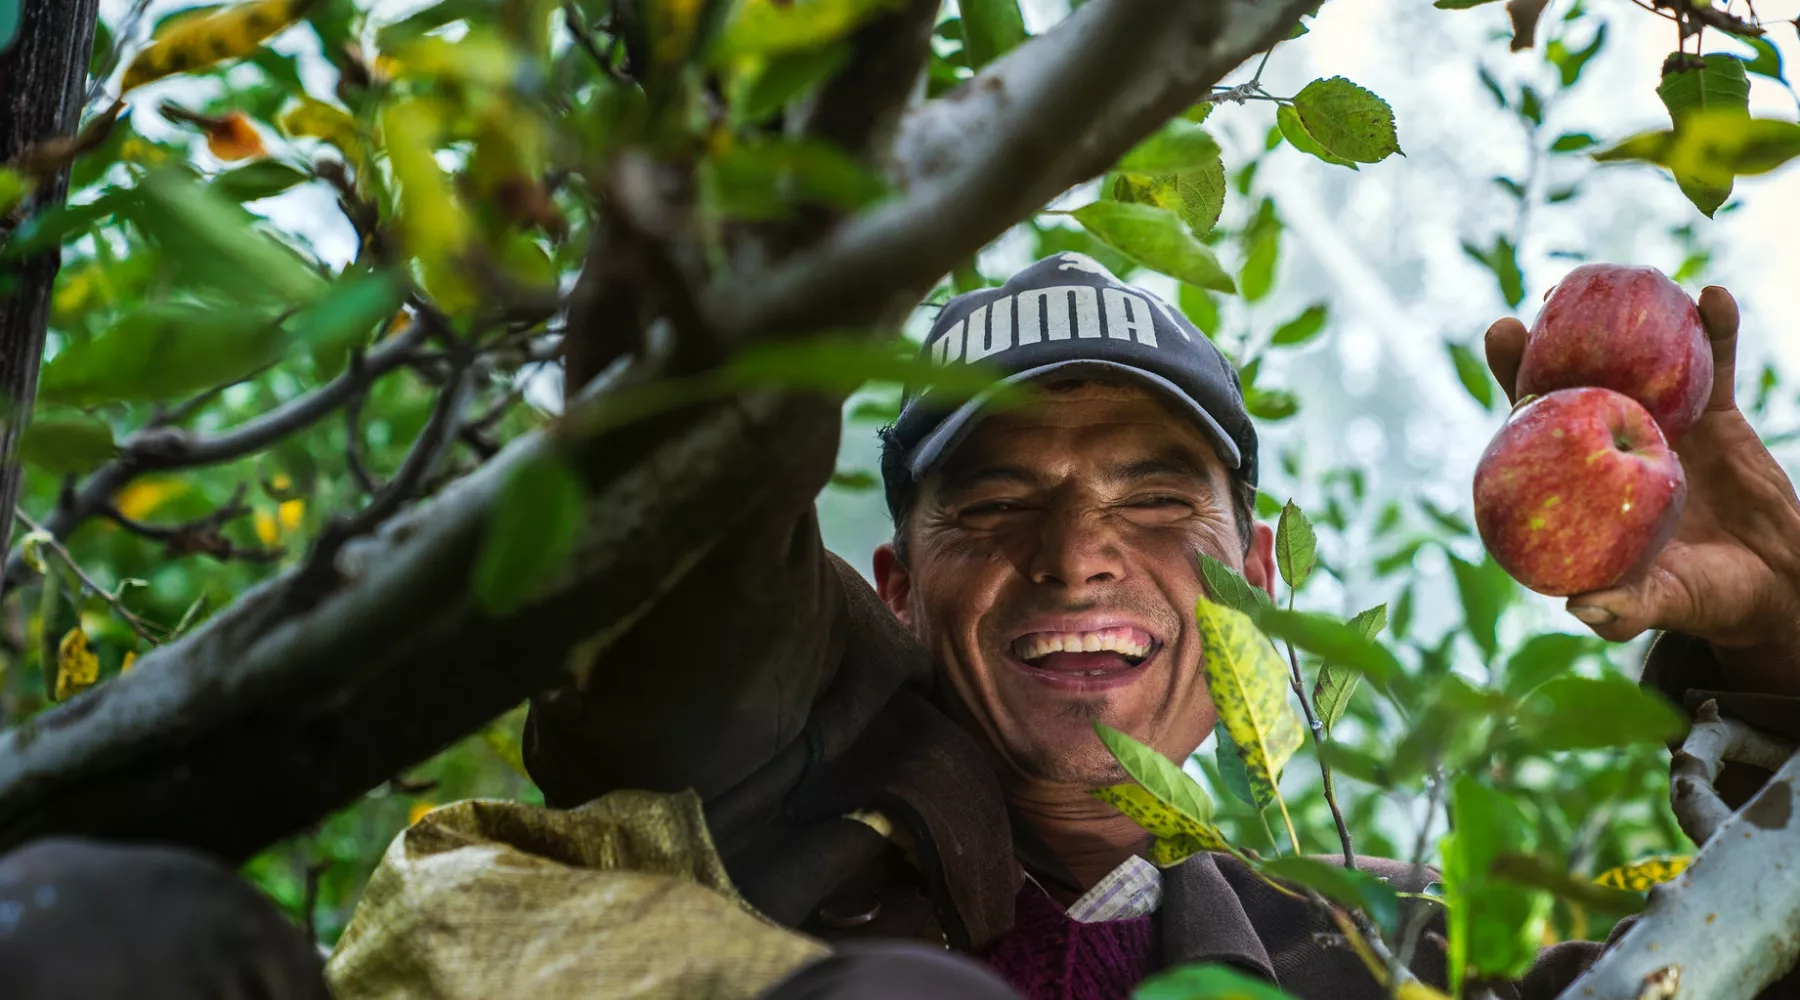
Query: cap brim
(951, 431)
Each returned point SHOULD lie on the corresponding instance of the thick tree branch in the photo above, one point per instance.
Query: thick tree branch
(41, 93)
(1730, 924)
(1696, 767)
(291, 703)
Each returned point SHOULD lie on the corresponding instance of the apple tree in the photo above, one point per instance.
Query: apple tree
(363, 361)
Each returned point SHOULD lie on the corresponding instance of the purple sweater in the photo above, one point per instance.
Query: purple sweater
(1049, 956)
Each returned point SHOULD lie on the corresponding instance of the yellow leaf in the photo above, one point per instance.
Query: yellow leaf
(1177, 834)
(433, 224)
(673, 24)
(478, 58)
(291, 513)
(234, 138)
(1415, 990)
(1641, 875)
(207, 39)
(128, 662)
(313, 119)
(505, 745)
(13, 188)
(1249, 685)
(267, 530)
(77, 668)
(418, 811)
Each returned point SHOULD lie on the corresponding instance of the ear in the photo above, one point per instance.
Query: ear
(1259, 562)
(893, 582)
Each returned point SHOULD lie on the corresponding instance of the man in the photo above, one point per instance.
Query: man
(910, 764)
(1041, 576)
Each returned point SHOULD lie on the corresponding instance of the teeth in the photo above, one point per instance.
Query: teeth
(1129, 641)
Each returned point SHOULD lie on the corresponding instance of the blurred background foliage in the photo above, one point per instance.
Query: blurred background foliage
(227, 256)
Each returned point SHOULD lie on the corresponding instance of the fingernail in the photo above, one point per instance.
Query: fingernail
(1591, 614)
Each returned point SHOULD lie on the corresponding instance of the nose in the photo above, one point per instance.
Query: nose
(1075, 548)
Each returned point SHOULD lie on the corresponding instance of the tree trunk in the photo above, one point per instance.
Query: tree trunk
(42, 79)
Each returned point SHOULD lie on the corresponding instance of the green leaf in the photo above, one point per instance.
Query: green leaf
(1332, 691)
(1347, 120)
(1766, 61)
(55, 225)
(1362, 766)
(1206, 982)
(346, 314)
(1570, 64)
(1486, 590)
(1572, 713)
(1717, 85)
(768, 179)
(207, 234)
(1197, 196)
(1159, 775)
(1573, 142)
(1177, 147)
(1472, 373)
(1198, 305)
(1357, 890)
(1249, 686)
(1714, 146)
(1227, 587)
(1336, 642)
(1177, 835)
(66, 444)
(1157, 239)
(261, 179)
(1543, 657)
(1503, 261)
(163, 351)
(530, 535)
(1494, 928)
(757, 96)
(770, 29)
(1230, 761)
(1539, 873)
(1257, 276)
(1294, 131)
(990, 28)
(1302, 328)
(1296, 546)
(1271, 404)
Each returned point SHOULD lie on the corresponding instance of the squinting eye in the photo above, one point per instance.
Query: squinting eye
(1161, 502)
(992, 507)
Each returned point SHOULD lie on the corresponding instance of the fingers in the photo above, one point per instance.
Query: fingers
(1719, 314)
(1505, 343)
(1648, 600)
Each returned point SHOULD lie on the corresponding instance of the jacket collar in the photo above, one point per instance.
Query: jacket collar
(1204, 920)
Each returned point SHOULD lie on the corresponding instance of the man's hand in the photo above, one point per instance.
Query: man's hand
(1731, 574)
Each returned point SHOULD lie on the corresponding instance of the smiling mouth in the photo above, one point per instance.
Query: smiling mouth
(1085, 654)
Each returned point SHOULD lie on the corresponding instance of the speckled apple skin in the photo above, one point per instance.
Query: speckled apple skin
(1562, 506)
(1629, 329)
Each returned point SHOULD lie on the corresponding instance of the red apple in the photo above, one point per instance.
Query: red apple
(1577, 491)
(1628, 329)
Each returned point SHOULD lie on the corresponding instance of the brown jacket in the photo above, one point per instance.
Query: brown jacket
(776, 684)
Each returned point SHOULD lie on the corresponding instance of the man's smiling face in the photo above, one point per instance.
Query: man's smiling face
(1051, 570)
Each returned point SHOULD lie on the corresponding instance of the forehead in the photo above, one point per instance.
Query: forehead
(1066, 427)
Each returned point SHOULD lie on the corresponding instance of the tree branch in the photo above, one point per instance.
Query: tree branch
(1047, 115)
(289, 703)
(1696, 767)
(1730, 924)
(137, 624)
(167, 448)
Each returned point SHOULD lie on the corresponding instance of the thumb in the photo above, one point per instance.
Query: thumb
(1719, 314)
(1623, 612)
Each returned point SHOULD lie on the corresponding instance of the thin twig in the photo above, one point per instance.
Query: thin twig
(1415, 927)
(427, 449)
(1318, 735)
(202, 535)
(585, 38)
(137, 624)
(1256, 77)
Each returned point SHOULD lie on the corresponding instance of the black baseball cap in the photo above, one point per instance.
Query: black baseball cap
(1067, 315)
